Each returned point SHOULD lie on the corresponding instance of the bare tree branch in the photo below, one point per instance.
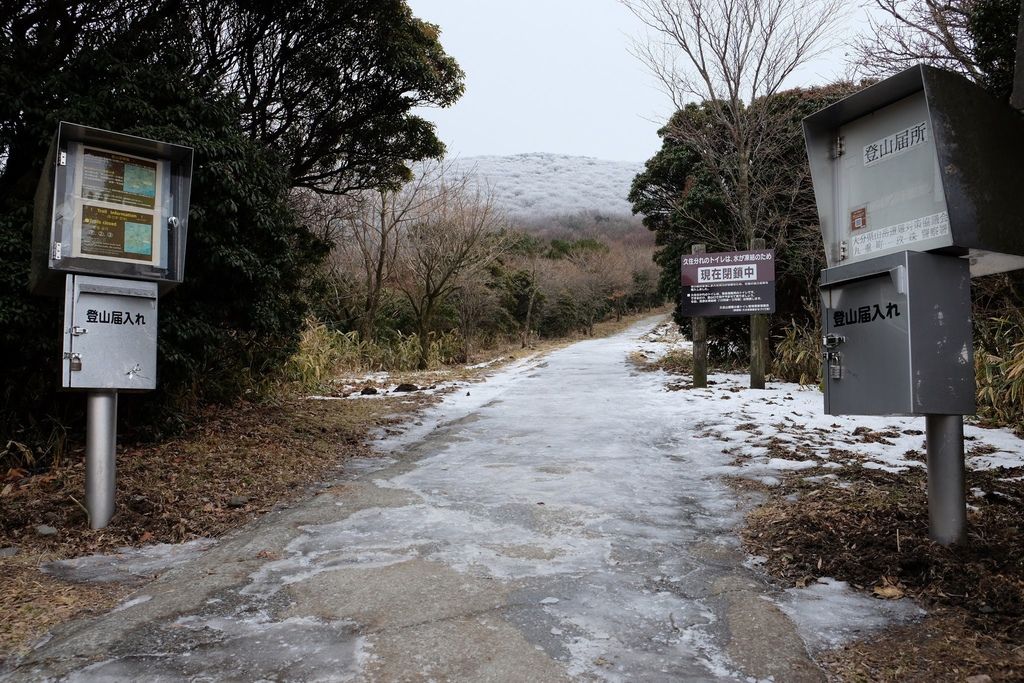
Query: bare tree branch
(915, 31)
(734, 56)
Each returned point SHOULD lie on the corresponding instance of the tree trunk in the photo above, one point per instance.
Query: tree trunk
(367, 323)
(758, 340)
(699, 335)
(529, 316)
(1017, 96)
(423, 331)
(424, 360)
(745, 206)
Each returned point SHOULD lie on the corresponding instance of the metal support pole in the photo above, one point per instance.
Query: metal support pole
(100, 460)
(947, 502)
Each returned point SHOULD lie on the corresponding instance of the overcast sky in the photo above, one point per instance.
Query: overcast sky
(553, 76)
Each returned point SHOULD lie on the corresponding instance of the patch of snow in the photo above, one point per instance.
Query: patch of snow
(829, 613)
(784, 464)
(128, 564)
(553, 184)
(128, 604)
(790, 416)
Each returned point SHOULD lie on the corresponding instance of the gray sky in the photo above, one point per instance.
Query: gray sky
(553, 76)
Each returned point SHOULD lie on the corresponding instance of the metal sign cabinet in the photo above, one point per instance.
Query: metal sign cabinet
(917, 181)
(109, 231)
(109, 334)
(110, 204)
(894, 344)
(923, 161)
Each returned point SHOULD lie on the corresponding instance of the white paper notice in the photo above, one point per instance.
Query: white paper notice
(901, 234)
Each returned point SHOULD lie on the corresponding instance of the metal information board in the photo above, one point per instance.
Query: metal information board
(110, 204)
(897, 336)
(110, 225)
(917, 181)
(120, 199)
(728, 283)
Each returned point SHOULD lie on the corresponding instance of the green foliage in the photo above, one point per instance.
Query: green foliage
(999, 348)
(561, 248)
(561, 318)
(992, 25)
(332, 85)
(679, 201)
(998, 300)
(999, 371)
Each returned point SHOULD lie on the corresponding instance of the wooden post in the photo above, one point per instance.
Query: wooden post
(699, 334)
(758, 339)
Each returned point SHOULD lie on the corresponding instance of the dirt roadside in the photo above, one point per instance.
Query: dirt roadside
(872, 532)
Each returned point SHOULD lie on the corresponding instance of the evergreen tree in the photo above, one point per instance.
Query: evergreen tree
(175, 70)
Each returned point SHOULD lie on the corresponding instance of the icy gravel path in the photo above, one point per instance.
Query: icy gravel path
(561, 521)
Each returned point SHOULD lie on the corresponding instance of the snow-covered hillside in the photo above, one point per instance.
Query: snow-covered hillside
(530, 185)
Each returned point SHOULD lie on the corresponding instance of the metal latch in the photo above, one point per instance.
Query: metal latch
(844, 250)
(63, 161)
(58, 250)
(831, 341)
(838, 146)
(77, 331)
(75, 361)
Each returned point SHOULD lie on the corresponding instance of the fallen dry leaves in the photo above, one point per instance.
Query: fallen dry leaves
(31, 602)
(179, 490)
(872, 532)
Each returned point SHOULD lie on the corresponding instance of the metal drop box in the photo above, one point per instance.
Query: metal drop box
(924, 161)
(897, 336)
(110, 332)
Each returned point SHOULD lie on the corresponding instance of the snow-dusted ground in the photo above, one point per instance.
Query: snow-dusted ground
(584, 493)
(554, 184)
(754, 425)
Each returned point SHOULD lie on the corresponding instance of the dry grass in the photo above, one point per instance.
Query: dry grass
(31, 603)
(944, 646)
(181, 489)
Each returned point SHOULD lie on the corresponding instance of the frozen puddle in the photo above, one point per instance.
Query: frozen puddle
(238, 649)
(129, 565)
(565, 518)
